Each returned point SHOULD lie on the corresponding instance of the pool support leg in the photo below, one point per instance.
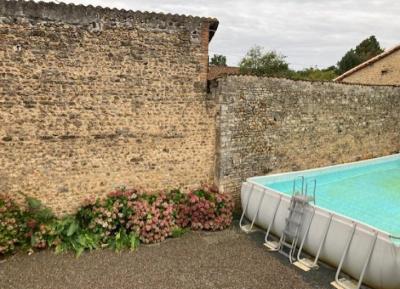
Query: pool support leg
(272, 246)
(249, 228)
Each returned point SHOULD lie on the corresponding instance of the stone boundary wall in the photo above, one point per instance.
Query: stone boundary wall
(219, 71)
(94, 98)
(270, 125)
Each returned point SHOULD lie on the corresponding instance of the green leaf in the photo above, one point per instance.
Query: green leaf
(133, 241)
(79, 251)
(33, 240)
(178, 232)
(73, 227)
(61, 248)
(33, 203)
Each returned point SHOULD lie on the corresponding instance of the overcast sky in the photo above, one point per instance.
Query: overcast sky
(308, 32)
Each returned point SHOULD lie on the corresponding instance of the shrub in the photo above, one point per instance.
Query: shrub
(209, 209)
(68, 235)
(10, 225)
(119, 221)
(106, 218)
(153, 218)
(38, 225)
(181, 208)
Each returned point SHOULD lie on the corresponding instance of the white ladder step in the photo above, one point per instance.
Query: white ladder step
(290, 234)
(303, 199)
(293, 221)
(297, 210)
(286, 244)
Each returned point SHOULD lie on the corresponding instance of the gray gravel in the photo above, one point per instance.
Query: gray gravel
(228, 259)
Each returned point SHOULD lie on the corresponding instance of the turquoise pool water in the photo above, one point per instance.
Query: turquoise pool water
(368, 192)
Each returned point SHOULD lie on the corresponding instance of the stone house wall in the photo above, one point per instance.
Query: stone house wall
(269, 125)
(93, 98)
(385, 71)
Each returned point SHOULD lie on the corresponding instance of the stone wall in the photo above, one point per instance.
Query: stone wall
(269, 125)
(94, 98)
(385, 71)
(218, 71)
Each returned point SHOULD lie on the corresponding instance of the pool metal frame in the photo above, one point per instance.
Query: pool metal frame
(366, 252)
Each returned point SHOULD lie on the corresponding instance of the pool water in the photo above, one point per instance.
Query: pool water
(366, 191)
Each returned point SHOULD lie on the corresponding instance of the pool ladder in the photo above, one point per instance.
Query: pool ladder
(294, 222)
(249, 227)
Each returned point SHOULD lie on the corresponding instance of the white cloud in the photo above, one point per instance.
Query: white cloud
(308, 32)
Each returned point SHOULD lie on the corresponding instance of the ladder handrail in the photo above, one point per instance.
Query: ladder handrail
(306, 234)
(315, 188)
(296, 238)
(302, 184)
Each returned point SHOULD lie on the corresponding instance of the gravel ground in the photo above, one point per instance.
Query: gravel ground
(228, 259)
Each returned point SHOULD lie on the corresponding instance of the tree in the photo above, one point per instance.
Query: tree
(367, 49)
(348, 61)
(314, 73)
(264, 63)
(218, 60)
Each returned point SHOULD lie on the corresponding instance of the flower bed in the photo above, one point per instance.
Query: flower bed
(122, 220)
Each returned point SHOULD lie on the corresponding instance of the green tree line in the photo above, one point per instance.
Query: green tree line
(261, 62)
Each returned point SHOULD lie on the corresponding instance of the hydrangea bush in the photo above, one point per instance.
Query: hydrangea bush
(10, 225)
(108, 216)
(153, 219)
(209, 209)
(37, 225)
(120, 220)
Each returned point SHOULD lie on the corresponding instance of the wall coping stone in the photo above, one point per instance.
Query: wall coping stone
(250, 77)
(84, 15)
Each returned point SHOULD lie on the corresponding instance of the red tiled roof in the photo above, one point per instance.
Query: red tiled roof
(217, 71)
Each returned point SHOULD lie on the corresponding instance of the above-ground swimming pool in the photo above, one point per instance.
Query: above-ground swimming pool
(354, 224)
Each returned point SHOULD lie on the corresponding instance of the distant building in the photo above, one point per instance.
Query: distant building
(383, 69)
